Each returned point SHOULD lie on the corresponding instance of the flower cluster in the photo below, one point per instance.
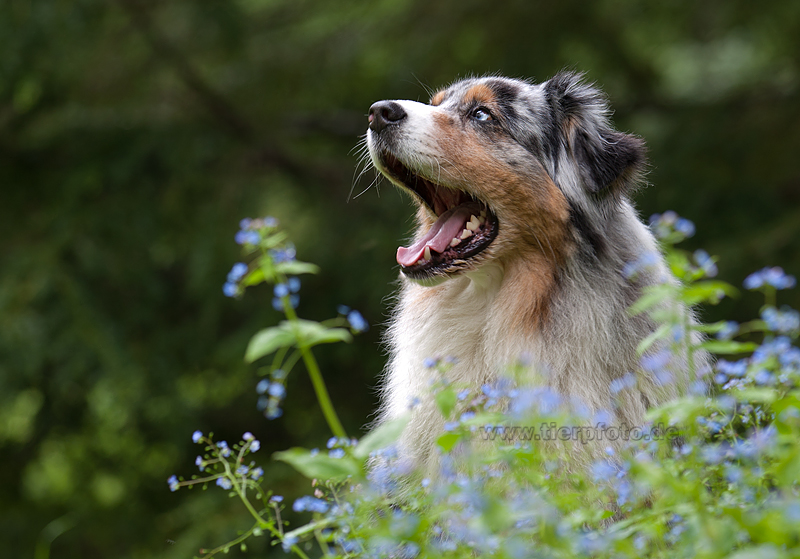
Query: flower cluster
(726, 467)
(286, 292)
(272, 391)
(223, 464)
(231, 287)
(337, 446)
(769, 277)
(251, 230)
(670, 227)
(784, 321)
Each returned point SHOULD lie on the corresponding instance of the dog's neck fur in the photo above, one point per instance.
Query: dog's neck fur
(573, 327)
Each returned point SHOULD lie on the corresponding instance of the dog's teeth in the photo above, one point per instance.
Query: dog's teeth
(472, 226)
(474, 219)
(427, 254)
(465, 234)
(482, 219)
(455, 241)
(483, 214)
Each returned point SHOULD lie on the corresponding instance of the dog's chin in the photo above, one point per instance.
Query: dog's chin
(428, 281)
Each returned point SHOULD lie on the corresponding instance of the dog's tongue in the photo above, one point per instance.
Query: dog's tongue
(449, 225)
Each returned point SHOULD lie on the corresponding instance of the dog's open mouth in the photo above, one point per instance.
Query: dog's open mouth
(464, 226)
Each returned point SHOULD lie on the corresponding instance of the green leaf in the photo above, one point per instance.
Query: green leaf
(311, 333)
(319, 465)
(254, 278)
(448, 440)
(759, 395)
(295, 268)
(728, 346)
(446, 400)
(662, 332)
(381, 437)
(764, 551)
(268, 340)
(708, 291)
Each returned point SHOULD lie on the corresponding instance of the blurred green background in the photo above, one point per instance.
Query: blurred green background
(135, 134)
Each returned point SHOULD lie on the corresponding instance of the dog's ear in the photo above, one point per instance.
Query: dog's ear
(609, 161)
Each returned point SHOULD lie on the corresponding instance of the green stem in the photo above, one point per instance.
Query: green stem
(261, 523)
(316, 380)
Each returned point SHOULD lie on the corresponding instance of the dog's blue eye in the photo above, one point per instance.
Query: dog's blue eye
(481, 114)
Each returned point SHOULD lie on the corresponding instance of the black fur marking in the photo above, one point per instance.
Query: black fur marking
(584, 228)
(505, 94)
(603, 160)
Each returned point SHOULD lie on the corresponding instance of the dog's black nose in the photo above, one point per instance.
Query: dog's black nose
(384, 113)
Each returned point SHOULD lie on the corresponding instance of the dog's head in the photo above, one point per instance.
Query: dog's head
(501, 166)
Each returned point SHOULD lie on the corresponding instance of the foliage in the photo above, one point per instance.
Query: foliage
(708, 476)
(135, 134)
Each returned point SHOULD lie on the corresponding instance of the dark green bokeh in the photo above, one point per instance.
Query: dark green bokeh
(135, 134)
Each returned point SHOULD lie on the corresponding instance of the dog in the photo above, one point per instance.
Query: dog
(524, 229)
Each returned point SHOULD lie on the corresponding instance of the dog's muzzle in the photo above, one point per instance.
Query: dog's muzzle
(385, 113)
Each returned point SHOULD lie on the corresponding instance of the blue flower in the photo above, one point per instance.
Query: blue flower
(734, 368)
(288, 542)
(255, 446)
(655, 361)
(173, 483)
(729, 329)
(223, 449)
(644, 262)
(248, 436)
(628, 380)
(336, 453)
(430, 362)
(230, 289)
(713, 454)
(277, 302)
(224, 482)
(769, 276)
(685, 227)
(764, 377)
(281, 290)
(706, 263)
(199, 463)
(785, 321)
(262, 386)
(245, 223)
(270, 221)
(196, 436)
(663, 225)
(790, 359)
(603, 470)
(273, 412)
(256, 474)
(242, 470)
(287, 254)
(309, 503)
(450, 425)
(276, 499)
(357, 321)
(277, 390)
(237, 272)
(294, 284)
(247, 238)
